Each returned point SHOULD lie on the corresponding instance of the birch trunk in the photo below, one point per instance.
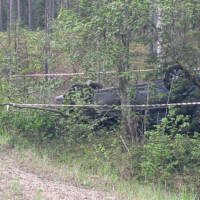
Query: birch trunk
(11, 23)
(48, 17)
(19, 13)
(30, 15)
(159, 34)
(1, 21)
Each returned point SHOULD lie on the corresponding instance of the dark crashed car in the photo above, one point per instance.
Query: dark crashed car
(174, 88)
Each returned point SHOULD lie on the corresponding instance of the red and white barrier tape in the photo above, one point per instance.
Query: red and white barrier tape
(43, 75)
(74, 74)
(62, 74)
(93, 105)
(81, 73)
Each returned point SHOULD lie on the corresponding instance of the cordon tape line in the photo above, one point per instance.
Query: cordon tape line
(81, 73)
(93, 105)
(61, 74)
(74, 74)
(66, 74)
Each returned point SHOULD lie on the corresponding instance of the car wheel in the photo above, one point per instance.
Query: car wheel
(78, 93)
(96, 86)
(76, 87)
(174, 75)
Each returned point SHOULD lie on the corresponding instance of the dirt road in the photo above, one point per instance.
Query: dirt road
(18, 183)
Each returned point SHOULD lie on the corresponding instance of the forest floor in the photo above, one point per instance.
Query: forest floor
(18, 181)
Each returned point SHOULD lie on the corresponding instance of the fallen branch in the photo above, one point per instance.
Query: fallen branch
(36, 108)
(124, 144)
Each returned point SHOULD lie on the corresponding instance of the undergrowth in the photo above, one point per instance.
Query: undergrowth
(96, 155)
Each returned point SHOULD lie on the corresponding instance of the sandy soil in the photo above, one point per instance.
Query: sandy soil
(18, 183)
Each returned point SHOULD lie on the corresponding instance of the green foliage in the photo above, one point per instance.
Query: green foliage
(166, 155)
(100, 34)
(32, 124)
(40, 125)
(97, 36)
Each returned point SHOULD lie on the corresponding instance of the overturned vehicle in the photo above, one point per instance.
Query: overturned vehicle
(177, 87)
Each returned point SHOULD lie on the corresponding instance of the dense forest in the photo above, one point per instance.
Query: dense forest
(47, 37)
(30, 14)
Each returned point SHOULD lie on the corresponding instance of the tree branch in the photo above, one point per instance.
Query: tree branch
(166, 50)
(36, 108)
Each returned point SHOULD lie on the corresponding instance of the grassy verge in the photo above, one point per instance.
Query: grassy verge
(52, 161)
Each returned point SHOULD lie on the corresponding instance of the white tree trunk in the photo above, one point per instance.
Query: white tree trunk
(19, 13)
(1, 21)
(12, 25)
(30, 16)
(159, 29)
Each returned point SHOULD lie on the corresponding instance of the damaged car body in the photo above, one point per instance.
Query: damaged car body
(175, 87)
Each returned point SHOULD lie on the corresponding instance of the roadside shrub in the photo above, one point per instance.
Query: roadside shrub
(172, 154)
(32, 124)
(40, 125)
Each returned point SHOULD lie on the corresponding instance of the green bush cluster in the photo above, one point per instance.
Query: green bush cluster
(165, 156)
(171, 151)
(40, 125)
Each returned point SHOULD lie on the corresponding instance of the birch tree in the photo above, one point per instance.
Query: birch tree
(12, 15)
(159, 28)
(30, 15)
(49, 15)
(1, 20)
(114, 24)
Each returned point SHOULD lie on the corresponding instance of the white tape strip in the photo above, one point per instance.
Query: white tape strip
(82, 73)
(148, 105)
(43, 75)
(79, 73)
(62, 74)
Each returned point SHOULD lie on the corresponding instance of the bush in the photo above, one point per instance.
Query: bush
(171, 154)
(40, 125)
